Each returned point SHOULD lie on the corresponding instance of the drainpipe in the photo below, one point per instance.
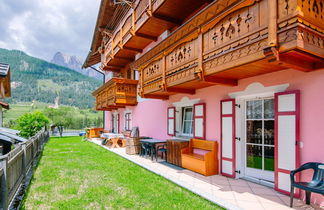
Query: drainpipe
(103, 82)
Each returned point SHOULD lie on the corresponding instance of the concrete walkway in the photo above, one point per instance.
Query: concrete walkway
(225, 192)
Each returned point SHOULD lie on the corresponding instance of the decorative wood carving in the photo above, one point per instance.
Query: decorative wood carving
(182, 56)
(234, 26)
(153, 70)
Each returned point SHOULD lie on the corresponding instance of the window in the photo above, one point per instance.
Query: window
(128, 121)
(187, 121)
(115, 123)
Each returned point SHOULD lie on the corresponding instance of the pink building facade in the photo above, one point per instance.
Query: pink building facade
(150, 115)
(247, 74)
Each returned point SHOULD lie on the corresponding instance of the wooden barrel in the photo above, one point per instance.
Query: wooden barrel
(133, 145)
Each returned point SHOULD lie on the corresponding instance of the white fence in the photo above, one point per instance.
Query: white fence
(16, 165)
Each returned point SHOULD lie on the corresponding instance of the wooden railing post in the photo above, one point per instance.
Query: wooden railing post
(133, 20)
(164, 85)
(200, 73)
(24, 161)
(4, 182)
(272, 27)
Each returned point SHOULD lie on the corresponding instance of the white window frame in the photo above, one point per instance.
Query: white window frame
(183, 121)
(184, 102)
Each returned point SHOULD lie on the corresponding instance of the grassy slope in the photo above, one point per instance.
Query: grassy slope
(19, 109)
(74, 174)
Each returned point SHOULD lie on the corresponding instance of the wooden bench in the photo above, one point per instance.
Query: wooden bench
(206, 164)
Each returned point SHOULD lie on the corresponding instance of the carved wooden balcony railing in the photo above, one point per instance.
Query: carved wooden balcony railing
(141, 25)
(116, 93)
(223, 44)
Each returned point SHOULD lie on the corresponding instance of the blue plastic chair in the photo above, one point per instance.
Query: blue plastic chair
(316, 185)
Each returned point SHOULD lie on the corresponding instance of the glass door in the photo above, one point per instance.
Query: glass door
(259, 141)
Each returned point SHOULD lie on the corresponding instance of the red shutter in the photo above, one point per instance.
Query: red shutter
(287, 112)
(199, 121)
(171, 121)
(228, 163)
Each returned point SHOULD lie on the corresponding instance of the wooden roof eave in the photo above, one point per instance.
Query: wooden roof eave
(105, 14)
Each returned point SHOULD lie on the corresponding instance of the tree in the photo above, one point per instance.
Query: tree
(60, 117)
(30, 123)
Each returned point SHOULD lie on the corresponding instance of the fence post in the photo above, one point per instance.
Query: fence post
(4, 182)
(24, 161)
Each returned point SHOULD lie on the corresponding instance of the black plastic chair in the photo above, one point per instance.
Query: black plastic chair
(145, 149)
(316, 185)
(162, 149)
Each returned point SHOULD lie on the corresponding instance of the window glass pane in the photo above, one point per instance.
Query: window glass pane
(269, 158)
(254, 131)
(269, 132)
(254, 156)
(269, 108)
(254, 109)
(188, 114)
(187, 127)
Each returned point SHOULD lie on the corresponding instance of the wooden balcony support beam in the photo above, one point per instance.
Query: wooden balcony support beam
(163, 97)
(115, 66)
(295, 63)
(171, 20)
(133, 49)
(221, 81)
(124, 58)
(144, 36)
(107, 68)
(181, 90)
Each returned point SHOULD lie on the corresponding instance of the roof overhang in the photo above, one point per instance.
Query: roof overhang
(106, 20)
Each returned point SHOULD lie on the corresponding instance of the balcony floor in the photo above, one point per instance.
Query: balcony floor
(226, 192)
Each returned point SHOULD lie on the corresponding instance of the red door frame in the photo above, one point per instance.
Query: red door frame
(233, 159)
(297, 153)
(197, 117)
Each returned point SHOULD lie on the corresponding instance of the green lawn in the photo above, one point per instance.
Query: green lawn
(74, 174)
(16, 110)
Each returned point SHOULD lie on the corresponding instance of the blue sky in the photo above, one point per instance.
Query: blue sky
(43, 27)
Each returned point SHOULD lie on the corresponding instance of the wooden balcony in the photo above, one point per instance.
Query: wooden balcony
(221, 45)
(116, 93)
(143, 24)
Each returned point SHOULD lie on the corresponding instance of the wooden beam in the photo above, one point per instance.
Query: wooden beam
(295, 63)
(106, 68)
(167, 19)
(181, 90)
(272, 24)
(221, 81)
(146, 36)
(124, 58)
(163, 97)
(115, 66)
(133, 49)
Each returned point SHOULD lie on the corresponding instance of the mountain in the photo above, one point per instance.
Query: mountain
(36, 79)
(75, 63)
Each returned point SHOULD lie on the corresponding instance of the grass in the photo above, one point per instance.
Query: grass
(74, 174)
(256, 162)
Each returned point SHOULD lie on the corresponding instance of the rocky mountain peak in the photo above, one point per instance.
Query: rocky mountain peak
(75, 63)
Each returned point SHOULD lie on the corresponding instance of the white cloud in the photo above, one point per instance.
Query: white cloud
(43, 27)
